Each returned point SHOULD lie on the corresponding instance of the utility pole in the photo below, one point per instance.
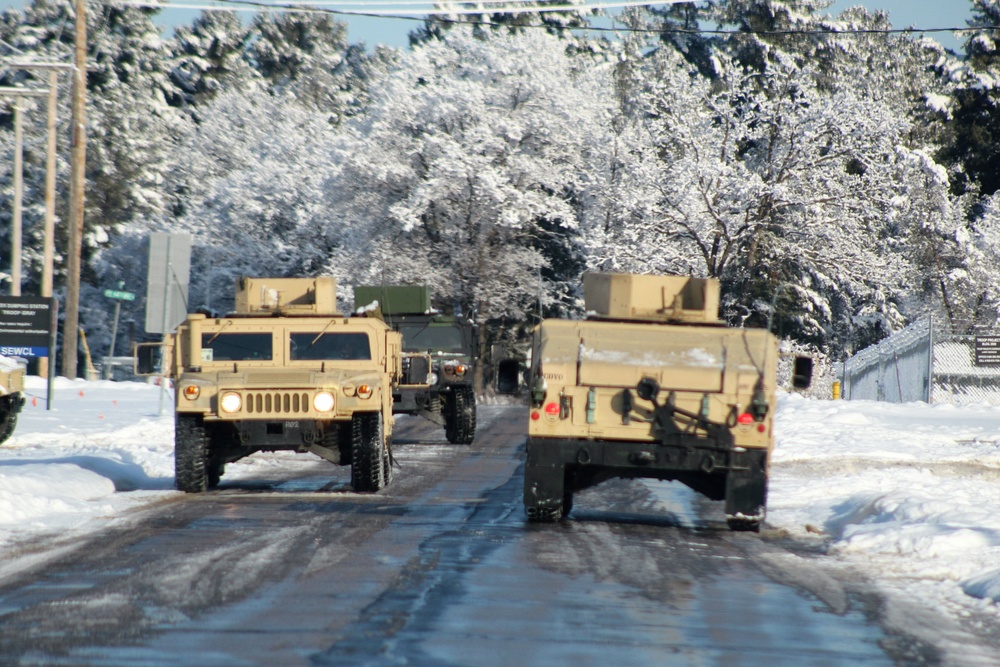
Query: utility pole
(48, 244)
(78, 155)
(15, 240)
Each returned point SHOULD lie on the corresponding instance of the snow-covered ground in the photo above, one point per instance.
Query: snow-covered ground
(908, 495)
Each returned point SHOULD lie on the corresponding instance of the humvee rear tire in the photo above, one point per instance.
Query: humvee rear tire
(743, 524)
(368, 453)
(215, 471)
(460, 417)
(190, 454)
(545, 497)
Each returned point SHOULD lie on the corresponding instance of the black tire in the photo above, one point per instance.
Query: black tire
(191, 473)
(368, 453)
(545, 497)
(460, 417)
(8, 422)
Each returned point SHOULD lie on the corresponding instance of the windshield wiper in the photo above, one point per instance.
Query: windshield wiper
(217, 333)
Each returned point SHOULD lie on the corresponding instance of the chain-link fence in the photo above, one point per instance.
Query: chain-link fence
(920, 364)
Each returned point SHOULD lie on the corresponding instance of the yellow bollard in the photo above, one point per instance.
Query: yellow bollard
(836, 390)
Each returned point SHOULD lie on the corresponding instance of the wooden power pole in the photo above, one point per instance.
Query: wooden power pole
(78, 176)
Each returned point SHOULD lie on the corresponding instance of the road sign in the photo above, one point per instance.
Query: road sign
(26, 326)
(119, 294)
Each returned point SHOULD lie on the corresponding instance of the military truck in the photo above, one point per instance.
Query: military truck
(651, 385)
(439, 358)
(285, 371)
(11, 396)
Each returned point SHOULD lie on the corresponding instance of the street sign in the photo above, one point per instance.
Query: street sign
(26, 326)
(167, 281)
(119, 294)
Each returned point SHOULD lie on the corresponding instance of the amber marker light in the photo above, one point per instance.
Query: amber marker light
(192, 391)
(365, 391)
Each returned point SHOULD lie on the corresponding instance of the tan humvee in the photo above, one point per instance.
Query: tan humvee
(651, 385)
(11, 396)
(284, 372)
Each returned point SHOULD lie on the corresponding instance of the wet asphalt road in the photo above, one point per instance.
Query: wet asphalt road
(439, 569)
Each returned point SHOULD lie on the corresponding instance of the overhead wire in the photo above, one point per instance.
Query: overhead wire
(440, 14)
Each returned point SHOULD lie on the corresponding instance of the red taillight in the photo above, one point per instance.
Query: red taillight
(535, 415)
(761, 428)
(745, 418)
(552, 408)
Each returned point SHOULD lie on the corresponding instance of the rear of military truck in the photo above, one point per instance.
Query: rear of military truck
(653, 386)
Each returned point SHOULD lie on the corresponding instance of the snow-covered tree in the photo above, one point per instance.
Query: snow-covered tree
(470, 167)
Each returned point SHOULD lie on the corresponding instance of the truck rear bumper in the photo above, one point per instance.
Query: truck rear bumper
(556, 468)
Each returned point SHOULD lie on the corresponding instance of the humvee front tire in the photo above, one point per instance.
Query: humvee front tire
(191, 473)
(369, 457)
(8, 421)
(460, 417)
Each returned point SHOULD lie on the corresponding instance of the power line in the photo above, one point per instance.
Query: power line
(440, 15)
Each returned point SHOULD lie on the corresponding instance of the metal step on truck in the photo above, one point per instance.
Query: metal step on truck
(651, 385)
(285, 371)
(440, 355)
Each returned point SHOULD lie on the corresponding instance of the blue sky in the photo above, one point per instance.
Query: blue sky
(904, 13)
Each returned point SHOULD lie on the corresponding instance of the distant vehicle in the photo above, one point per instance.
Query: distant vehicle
(11, 396)
(440, 353)
(283, 372)
(652, 385)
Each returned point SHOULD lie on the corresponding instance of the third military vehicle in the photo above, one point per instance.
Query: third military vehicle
(652, 385)
(439, 358)
(285, 371)
(11, 396)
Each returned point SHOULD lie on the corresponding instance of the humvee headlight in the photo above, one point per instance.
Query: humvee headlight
(365, 391)
(192, 392)
(323, 401)
(432, 378)
(231, 402)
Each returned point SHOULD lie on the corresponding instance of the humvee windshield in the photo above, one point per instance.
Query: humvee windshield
(345, 346)
(438, 338)
(236, 347)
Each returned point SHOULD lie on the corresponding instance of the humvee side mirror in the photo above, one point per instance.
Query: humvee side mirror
(148, 358)
(802, 373)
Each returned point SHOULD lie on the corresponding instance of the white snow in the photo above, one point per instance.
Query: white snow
(908, 495)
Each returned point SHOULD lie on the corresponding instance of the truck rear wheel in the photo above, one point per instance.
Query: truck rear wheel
(545, 496)
(190, 454)
(460, 417)
(369, 455)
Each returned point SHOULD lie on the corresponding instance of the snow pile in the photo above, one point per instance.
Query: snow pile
(908, 493)
(65, 466)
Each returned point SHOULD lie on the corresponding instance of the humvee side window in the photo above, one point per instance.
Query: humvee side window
(339, 345)
(236, 347)
(422, 337)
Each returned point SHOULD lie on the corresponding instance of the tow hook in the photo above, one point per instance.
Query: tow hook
(641, 458)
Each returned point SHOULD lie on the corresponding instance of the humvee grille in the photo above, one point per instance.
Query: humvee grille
(276, 402)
